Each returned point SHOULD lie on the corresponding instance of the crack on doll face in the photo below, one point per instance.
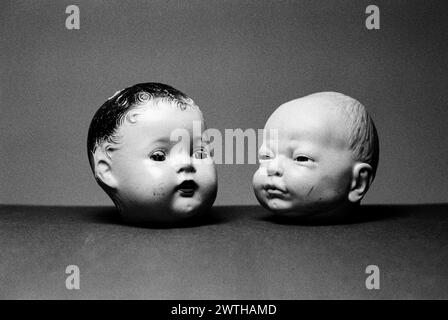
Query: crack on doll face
(309, 192)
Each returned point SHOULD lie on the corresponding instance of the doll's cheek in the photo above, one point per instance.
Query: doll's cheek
(161, 176)
(259, 178)
(159, 191)
(159, 182)
(300, 189)
(206, 174)
(157, 173)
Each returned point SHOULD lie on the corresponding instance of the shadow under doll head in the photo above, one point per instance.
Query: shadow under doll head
(323, 160)
(150, 176)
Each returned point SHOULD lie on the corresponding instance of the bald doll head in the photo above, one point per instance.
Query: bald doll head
(323, 158)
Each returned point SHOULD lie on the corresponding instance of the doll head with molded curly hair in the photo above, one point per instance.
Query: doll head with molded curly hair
(151, 173)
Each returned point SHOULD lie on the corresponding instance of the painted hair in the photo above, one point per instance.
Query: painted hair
(111, 115)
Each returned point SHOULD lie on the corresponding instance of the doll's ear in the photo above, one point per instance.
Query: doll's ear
(103, 166)
(361, 180)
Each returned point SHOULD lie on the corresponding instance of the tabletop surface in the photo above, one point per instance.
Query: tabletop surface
(238, 252)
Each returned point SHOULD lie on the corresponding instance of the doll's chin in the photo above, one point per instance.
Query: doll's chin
(285, 208)
(176, 209)
(276, 205)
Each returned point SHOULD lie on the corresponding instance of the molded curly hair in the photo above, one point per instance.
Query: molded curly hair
(110, 116)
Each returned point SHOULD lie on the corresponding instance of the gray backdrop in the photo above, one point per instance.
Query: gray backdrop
(239, 60)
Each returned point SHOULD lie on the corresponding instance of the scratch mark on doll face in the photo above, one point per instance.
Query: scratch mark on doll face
(309, 192)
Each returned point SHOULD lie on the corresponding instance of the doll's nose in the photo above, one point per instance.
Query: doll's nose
(184, 163)
(188, 167)
(274, 169)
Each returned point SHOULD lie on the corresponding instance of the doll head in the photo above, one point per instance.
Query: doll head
(323, 159)
(150, 173)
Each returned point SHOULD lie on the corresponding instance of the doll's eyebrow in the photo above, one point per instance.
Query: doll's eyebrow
(294, 143)
(162, 140)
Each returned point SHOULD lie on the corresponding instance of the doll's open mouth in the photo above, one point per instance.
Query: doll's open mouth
(187, 188)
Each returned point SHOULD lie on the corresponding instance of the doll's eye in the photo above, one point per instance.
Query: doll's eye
(158, 155)
(200, 153)
(264, 156)
(303, 159)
